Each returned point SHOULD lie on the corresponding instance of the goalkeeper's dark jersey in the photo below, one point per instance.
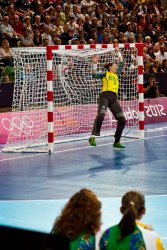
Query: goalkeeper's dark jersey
(110, 81)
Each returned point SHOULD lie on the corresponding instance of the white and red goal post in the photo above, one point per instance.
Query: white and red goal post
(68, 50)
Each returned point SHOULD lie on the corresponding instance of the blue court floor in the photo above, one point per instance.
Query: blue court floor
(35, 187)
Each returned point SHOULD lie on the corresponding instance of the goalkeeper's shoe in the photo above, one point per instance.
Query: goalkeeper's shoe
(92, 141)
(118, 145)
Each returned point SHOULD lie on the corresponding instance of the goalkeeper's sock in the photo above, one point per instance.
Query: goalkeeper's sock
(92, 141)
(118, 145)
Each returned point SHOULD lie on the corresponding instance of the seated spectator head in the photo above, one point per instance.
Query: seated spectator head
(73, 41)
(91, 41)
(139, 38)
(11, 8)
(37, 33)
(147, 41)
(106, 38)
(5, 44)
(115, 41)
(40, 9)
(121, 36)
(130, 27)
(94, 21)
(57, 41)
(71, 18)
(164, 64)
(76, 9)
(45, 42)
(93, 31)
(26, 31)
(47, 29)
(54, 37)
(132, 208)
(87, 18)
(47, 19)
(131, 39)
(57, 22)
(71, 32)
(125, 40)
(5, 19)
(81, 214)
(37, 19)
(139, 29)
(156, 65)
(135, 201)
(16, 19)
(6, 78)
(67, 10)
(51, 12)
(161, 40)
(100, 29)
(125, 11)
(150, 51)
(27, 20)
(152, 77)
(83, 9)
(58, 8)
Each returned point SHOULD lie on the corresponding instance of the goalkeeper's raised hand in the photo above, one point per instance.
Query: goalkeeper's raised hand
(118, 53)
(95, 60)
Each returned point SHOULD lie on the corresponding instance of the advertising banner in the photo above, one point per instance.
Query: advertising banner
(22, 124)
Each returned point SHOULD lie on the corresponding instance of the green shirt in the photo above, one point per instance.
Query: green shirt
(110, 240)
(83, 242)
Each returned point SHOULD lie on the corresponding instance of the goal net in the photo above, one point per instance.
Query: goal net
(56, 96)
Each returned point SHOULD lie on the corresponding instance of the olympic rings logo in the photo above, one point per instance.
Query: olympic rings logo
(18, 126)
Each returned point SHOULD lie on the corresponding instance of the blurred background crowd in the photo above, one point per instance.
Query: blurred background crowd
(29, 23)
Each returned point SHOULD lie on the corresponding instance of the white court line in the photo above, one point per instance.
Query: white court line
(73, 149)
(45, 200)
(155, 129)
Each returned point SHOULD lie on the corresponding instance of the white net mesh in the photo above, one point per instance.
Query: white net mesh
(76, 95)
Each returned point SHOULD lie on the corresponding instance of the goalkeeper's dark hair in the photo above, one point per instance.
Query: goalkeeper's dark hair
(133, 203)
(107, 65)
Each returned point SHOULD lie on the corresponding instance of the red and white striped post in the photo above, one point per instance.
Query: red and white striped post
(141, 89)
(139, 47)
(50, 99)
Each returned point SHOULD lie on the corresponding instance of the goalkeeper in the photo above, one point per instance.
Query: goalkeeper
(108, 99)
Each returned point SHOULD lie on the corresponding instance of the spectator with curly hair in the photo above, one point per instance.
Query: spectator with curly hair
(80, 220)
